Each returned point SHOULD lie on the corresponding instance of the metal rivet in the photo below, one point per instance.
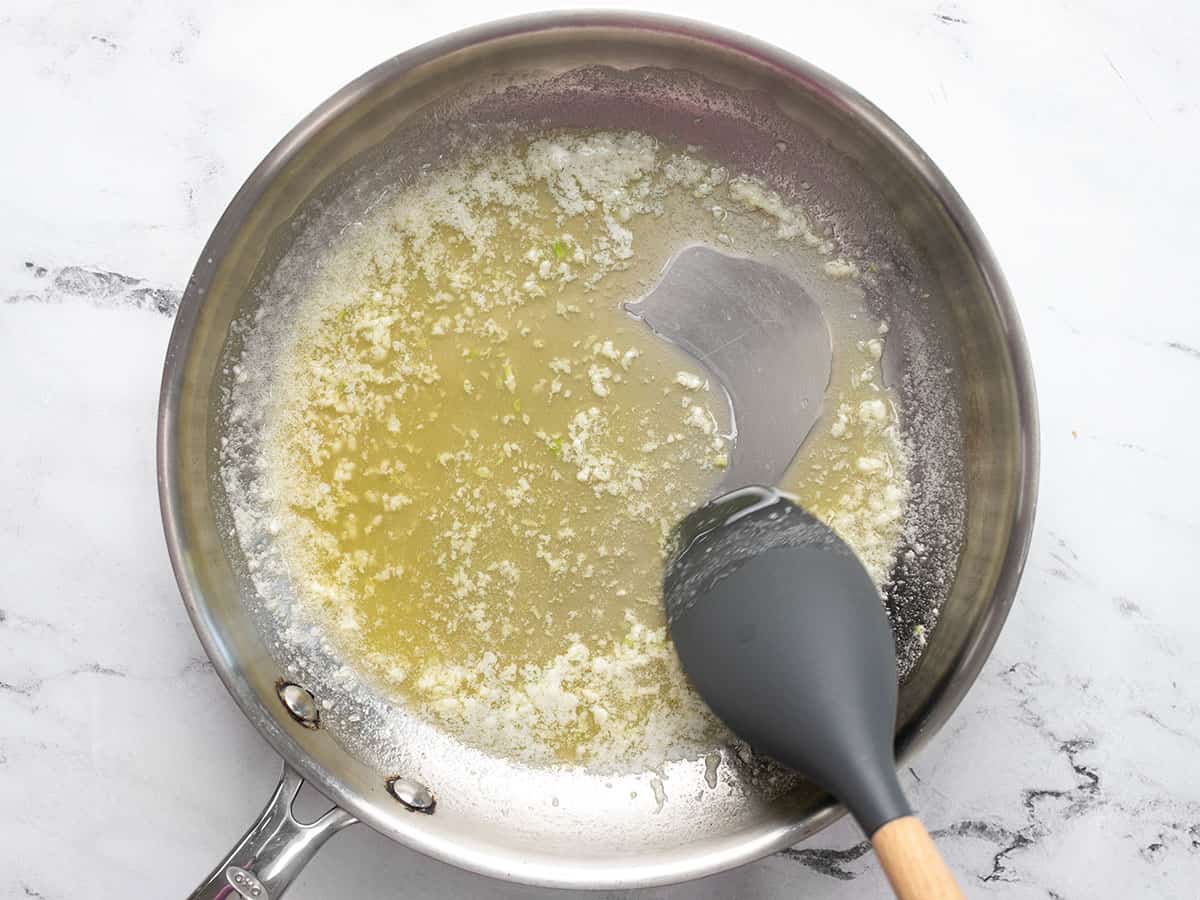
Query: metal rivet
(412, 794)
(300, 704)
(245, 884)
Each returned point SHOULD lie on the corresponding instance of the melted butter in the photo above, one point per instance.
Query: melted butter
(476, 452)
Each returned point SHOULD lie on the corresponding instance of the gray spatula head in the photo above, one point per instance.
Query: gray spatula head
(762, 336)
(783, 633)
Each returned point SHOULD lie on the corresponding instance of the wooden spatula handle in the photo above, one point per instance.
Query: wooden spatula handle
(912, 862)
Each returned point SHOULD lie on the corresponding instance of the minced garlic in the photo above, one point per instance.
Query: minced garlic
(475, 452)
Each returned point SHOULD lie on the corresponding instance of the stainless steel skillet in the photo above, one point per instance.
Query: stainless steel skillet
(956, 354)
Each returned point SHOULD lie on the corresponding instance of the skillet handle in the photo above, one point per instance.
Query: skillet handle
(274, 850)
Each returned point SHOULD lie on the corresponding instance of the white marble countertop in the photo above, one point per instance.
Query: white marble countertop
(1071, 129)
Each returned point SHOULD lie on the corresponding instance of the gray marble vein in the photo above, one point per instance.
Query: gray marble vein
(96, 286)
